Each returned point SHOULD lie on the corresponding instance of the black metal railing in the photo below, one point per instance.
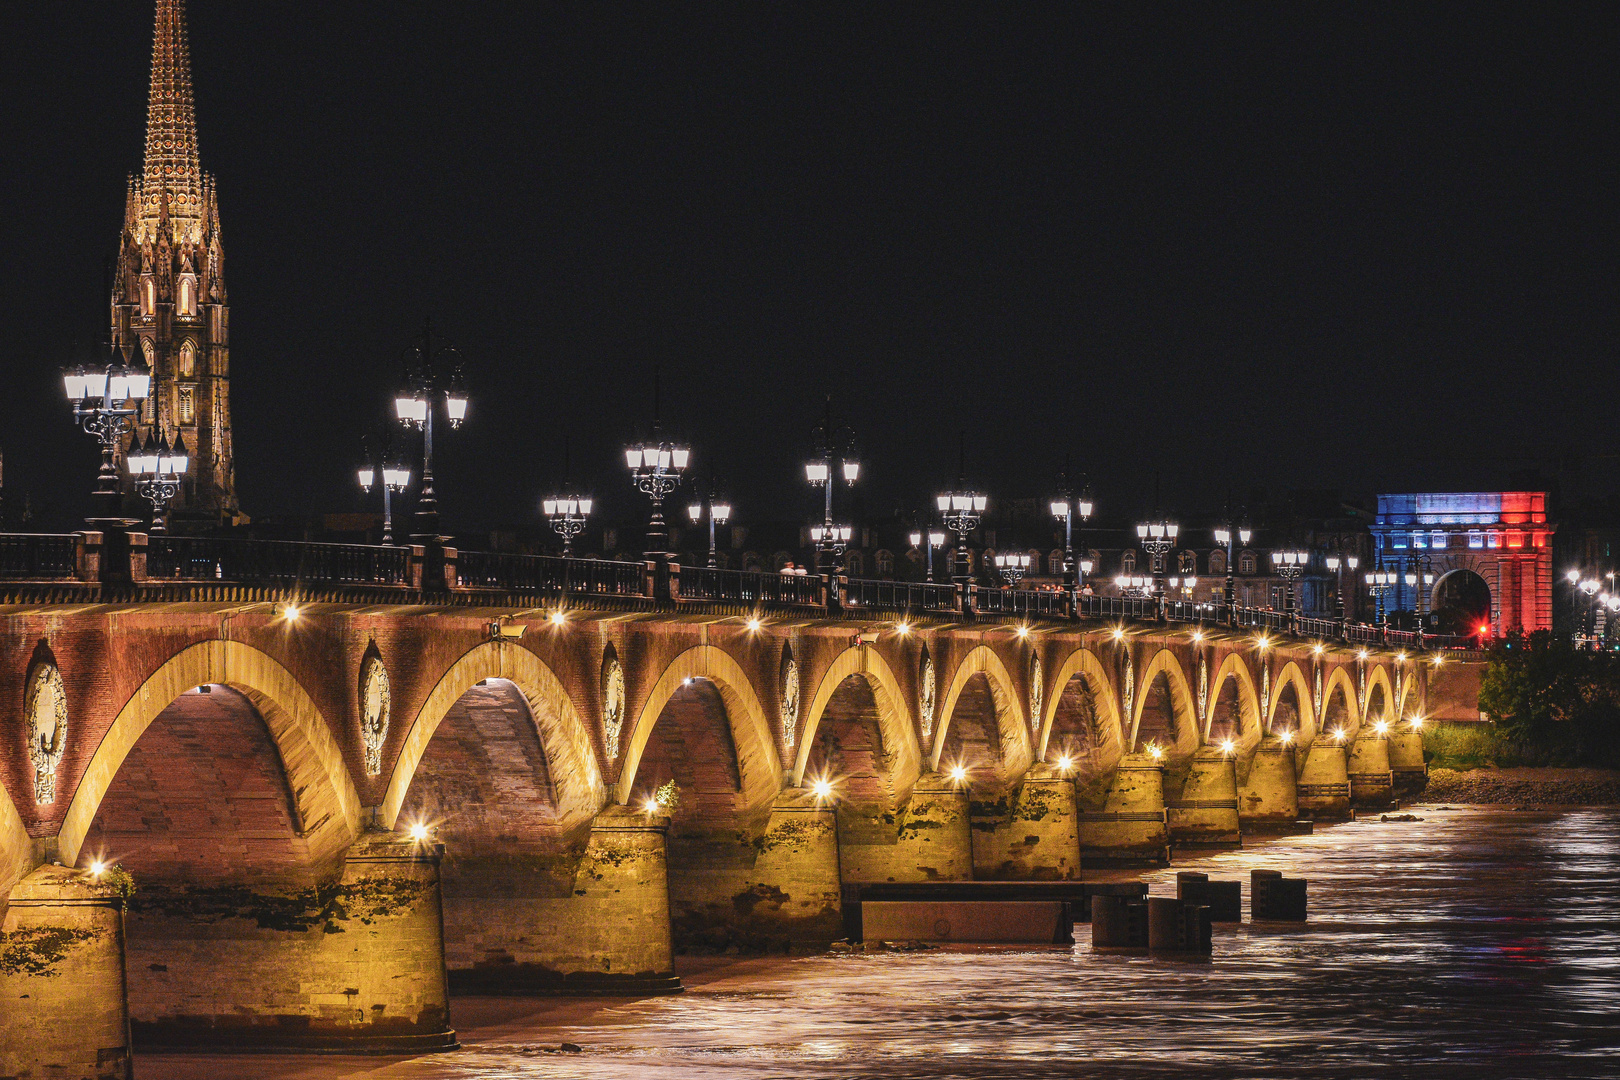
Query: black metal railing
(918, 596)
(38, 556)
(211, 558)
(503, 572)
(708, 583)
(1025, 602)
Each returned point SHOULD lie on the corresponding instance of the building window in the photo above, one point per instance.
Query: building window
(148, 296)
(188, 405)
(186, 299)
(1437, 539)
(1476, 539)
(885, 562)
(188, 359)
(1217, 562)
(1420, 540)
(1246, 563)
(1493, 540)
(1127, 563)
(857, 563)
(1186, 563)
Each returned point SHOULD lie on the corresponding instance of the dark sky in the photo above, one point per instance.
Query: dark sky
(1368, 246)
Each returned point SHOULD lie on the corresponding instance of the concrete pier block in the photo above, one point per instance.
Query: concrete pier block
(1118, 923)
(794, 893)
(1324, 784)
(927, 838)
(1372, 784)
(1122, 819)
(1274, 898)
(63, 1005)
(1029, 834)
(1206, 812)
(1178, 927)
(1406, 764)
(1223, 898)
(1268, 800)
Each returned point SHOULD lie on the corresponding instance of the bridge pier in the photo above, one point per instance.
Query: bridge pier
(1406, 765)
(1372, 783)
(1122, 818)
(928, 838)
(354, 965)
(63, 1000)
(1206, 812)
(1268, 799)
(795, 893)
(1324, 784)
(1030, 833)
(614, 934)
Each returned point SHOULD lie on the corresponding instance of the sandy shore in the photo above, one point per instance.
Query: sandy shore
(1524, 787)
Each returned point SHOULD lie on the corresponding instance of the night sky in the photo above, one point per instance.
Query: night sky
(1365, 247)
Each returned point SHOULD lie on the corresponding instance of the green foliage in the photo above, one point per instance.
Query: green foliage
(668, 797)
(1555, 701)
(1478, 746)
(119, 880)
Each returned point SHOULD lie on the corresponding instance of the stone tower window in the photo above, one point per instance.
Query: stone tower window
(188, 405)
(186, 303)
(148, 296)
(188, 359)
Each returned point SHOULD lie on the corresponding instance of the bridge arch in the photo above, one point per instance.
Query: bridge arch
(322, 788)
(898, 732)
(758, 766)
(1234, 667)
(1410, 700)
(1291, 676)
(1016, 753)
(1340, 681)
(1084, 663)
(563, 734)
(1379, 690)
(1183, 713)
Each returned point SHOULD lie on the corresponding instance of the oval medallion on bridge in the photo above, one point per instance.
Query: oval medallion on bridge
(1037, 687)
(790, 702)
(612, 704)
(925, 697)
(45, 707)
(374, 707)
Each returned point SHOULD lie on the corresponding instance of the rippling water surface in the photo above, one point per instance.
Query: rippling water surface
(1474, 943)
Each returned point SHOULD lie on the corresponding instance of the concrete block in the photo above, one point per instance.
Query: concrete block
(1129, 825)
(1119, 923)
(1223, 898)
(1274, 898)
(1030, 922)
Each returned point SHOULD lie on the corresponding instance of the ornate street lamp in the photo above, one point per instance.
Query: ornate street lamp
(395, 478)
(566, 512)
(1185, 585)
(158, 470)
(934, 538)
(834, 455)
(1379, 583)
(1420, 568)
(1065, 508)
(1290, 563)
(1334, 562)
(719, 514)
(961, 512)
(1134, 585)
(105, 400)
(1157, 538)
(1225, 535)
(1013, 567)
(434, 374)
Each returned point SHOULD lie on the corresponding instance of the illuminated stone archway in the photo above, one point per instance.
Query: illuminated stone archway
(1184, 713)
(1105, 697)
(899, 733)
(1016, 751)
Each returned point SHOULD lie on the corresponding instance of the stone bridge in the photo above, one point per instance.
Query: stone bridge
(338, 803)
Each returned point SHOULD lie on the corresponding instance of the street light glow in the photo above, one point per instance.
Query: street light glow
(902, 628)
(419, 832)
(753, 624)
(1338, 734)
(1381, 727)
(1064, 763)
(1287, 738)
(558, 618)
(958, 773)
(823, 789)
(1227, 746)
(97, 868)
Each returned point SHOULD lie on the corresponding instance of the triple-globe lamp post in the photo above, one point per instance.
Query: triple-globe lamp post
(1157, 538)
(106, 398)
(158, 469)
(1290, 563)
(435, 375)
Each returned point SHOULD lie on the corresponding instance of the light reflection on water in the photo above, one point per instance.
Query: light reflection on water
(1474, 943)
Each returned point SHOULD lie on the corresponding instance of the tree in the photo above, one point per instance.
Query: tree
(1554, 699)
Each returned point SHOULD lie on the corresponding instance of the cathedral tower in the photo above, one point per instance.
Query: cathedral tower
(168, 297)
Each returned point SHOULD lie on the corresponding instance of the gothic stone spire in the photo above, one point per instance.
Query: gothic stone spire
(172, 164)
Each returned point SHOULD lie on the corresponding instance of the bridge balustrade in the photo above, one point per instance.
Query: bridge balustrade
(708, 583)
(215, 558)
(901, 596)
(38, 556)
(506, 572)
(1040, 602)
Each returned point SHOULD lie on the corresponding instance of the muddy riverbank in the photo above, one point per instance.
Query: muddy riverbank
(1524, 787)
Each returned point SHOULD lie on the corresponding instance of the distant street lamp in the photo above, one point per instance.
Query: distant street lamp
(1134, 585)
(1379, 583)
(933, 538)
(656, 468)
(105, 400)
(719, 514)
(1290, 564)
(567, 512)
(1225, 535)
(1065, 508)
(834, 451)
(158, 470)
(1157, 538)
(1334, 562)
(1013, 567)
(395, 478)
(416, 405)
(1186, 585)
(961, 511)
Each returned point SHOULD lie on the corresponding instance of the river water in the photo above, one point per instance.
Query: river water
(1473, 943)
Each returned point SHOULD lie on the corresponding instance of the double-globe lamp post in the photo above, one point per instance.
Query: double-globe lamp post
(395, 478)
(1334, 562)
(933, 539)
(835, 450)
(1227, 536)
(1065, 508)
(719, 513)
(433, 378)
